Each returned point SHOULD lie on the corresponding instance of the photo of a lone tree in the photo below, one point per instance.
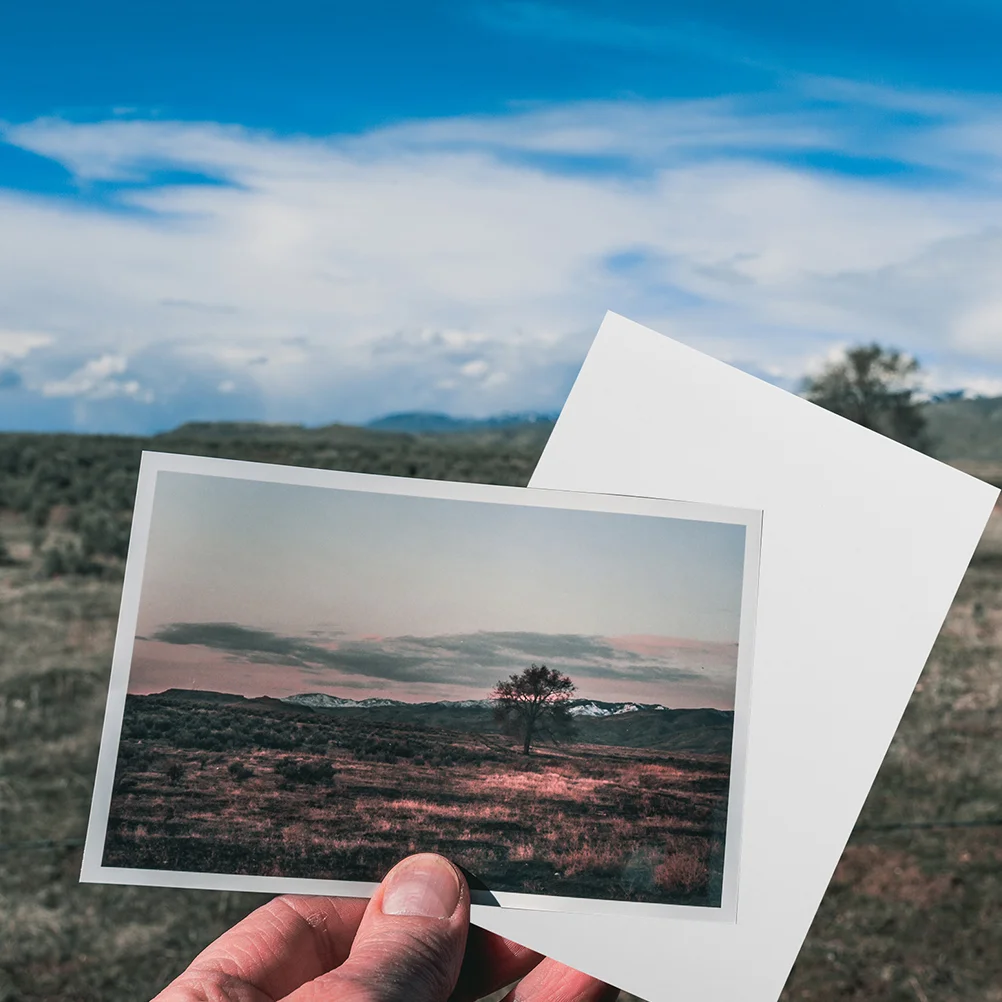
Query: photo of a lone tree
(534, 702)
(324, 680)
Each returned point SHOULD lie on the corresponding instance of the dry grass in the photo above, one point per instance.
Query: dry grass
(573, 822)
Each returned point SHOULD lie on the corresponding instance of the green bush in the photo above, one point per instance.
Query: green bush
(102, 533)
(67, 558)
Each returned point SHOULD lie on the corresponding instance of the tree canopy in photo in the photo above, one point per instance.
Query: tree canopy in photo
(534, 702)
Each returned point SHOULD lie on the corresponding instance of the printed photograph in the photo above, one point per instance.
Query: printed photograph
(324, 680)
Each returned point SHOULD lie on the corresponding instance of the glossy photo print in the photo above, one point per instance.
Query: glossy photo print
(319, 673)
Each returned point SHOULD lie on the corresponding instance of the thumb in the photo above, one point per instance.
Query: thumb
(409, 945)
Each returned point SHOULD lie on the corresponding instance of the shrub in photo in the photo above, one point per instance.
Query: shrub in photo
(304, 771)
(239, 771)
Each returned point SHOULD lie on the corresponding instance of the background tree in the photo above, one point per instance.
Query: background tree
(533, 702)
(877, 388)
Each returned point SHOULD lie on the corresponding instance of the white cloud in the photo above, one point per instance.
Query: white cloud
(978, 386)
(463, 264)
(980, 328)
(18, 344)
(96, 380)
(475, 368)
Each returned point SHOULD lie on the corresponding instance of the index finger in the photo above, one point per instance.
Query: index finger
(276, 949)
(491, 962)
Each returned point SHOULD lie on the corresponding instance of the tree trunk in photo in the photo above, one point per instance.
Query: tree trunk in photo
(527, 744)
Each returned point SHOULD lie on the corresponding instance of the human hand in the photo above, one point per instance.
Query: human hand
(411, 942)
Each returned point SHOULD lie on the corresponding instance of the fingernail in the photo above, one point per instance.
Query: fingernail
(425, 886)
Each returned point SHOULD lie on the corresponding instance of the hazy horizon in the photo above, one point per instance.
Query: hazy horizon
(277, 589)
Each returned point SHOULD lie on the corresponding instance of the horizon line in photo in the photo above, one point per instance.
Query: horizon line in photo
(351, 702)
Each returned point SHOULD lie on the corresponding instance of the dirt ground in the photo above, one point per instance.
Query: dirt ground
(913, 913)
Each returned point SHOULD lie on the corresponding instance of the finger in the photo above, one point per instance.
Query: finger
(409, 945)
(553, 982)
(490, 963)
(280, 946)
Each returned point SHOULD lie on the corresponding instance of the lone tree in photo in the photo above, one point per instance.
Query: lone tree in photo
(533, 701)
(876, 387)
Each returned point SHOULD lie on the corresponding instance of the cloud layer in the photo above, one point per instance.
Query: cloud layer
(203, 270)
(662, 669)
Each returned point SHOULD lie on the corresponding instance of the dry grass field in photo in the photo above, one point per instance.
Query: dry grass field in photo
(913, 914)
(343, 794)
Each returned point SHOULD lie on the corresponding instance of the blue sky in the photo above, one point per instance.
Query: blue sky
(312, 212)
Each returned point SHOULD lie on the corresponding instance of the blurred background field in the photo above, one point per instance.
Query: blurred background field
(914, 910)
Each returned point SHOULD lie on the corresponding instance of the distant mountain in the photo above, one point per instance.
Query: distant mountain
(705, 731)
(325, 701)
(966, 430)
(627, 724)
(591, 708)
(378, 432)
(576, 707)
(430, 423)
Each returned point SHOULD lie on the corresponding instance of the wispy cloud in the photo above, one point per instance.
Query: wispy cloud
(464, 263)
(566, 25)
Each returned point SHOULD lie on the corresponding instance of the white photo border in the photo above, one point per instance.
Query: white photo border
(94, 871)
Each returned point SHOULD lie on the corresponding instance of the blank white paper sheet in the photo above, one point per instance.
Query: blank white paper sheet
(864, 543)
